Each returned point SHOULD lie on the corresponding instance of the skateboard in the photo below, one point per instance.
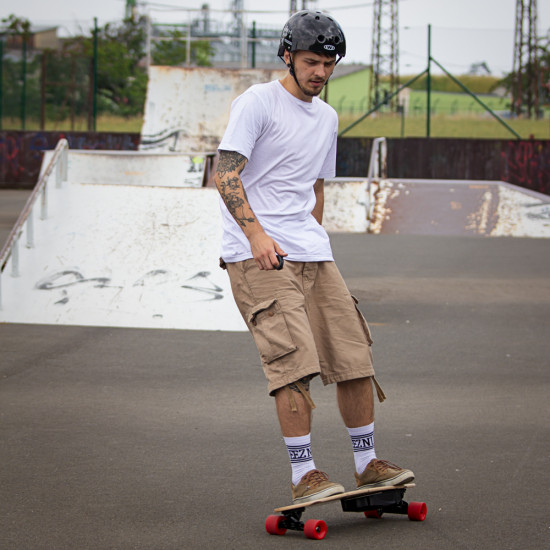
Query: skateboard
(373, 502)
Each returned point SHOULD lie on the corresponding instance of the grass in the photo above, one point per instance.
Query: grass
(389, 125)
(386, 125)
(454, 115)
(105, 123)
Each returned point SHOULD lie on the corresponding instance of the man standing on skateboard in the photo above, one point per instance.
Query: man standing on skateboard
(277, 150)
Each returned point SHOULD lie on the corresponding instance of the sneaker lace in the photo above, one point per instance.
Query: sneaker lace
(315, 477)
(383, 465)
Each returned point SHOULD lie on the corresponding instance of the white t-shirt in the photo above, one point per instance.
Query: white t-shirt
(289, 144)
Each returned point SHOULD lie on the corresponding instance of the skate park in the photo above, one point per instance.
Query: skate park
(135, 414)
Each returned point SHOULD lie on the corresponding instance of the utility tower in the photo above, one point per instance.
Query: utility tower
(294, 6)
(384, 79)
(525, 75)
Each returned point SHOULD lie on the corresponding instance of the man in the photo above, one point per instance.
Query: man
(279, 146)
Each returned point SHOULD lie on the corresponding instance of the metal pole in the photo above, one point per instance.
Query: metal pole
(148, 42)
(243, 41)
(24, 84)
(1, 81)
(429, 84)
(254, 45)
(188, 45)
(43, 93)
(383, 102)
(94, 102)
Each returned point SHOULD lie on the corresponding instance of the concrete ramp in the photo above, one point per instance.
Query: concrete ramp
(456, 207)
(116, 252)
(127, 243)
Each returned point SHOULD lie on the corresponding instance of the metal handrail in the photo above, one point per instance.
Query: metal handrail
(378, 160)
(59, 162)
(377, 170)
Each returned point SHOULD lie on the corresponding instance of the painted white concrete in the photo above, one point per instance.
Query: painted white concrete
(124, 256)
(135, 168)
(187, 109)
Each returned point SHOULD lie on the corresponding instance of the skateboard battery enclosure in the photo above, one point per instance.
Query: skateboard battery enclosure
(385, 499)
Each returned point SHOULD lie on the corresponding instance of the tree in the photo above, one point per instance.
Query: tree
(18, 25)
(121, 75)
(15, 71)
(173, 51)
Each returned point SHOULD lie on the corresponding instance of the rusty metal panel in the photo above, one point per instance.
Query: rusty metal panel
(474, 208)
(187, 109)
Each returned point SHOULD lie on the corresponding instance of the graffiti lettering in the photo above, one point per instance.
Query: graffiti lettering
(68, 278)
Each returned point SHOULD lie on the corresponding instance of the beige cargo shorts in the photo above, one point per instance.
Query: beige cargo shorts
(304, 322)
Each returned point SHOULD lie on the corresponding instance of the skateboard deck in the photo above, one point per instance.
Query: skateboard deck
(373, 502)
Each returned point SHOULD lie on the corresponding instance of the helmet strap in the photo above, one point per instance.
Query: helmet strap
(292, 71)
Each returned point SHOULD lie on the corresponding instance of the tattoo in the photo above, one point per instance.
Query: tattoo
(230, 161)
(303, 381)
(230, 166)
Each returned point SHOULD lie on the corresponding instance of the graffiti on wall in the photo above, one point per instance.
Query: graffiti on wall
(21, 152)
(525, 163)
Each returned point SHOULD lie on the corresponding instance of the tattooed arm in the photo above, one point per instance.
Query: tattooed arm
(229, 184)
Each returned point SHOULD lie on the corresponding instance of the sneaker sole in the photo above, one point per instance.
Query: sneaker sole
(328, 492)
(400, 479)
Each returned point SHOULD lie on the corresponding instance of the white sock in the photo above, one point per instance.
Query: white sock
(299, 452)
(362, 439)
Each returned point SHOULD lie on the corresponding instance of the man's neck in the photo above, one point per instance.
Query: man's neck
(290, 85)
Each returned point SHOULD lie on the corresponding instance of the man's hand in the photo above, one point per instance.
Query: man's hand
(265, 250)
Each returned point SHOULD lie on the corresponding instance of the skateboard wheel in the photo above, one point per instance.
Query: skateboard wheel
(373, 514)
(273, 525)
(315, 529)
(417, 511)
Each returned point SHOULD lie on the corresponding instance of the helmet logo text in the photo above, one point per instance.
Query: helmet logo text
(329, 47)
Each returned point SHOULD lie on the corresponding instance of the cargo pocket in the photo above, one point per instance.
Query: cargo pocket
(268, 326)
(364, 323)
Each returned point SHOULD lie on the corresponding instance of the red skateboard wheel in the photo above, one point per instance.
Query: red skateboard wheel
(417, 511)
(315, 529)
(273, 525)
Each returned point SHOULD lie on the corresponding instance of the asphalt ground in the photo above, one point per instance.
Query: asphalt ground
(158, 439)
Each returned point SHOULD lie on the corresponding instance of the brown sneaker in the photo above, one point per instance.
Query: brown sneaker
(313, 486)
(379, 473)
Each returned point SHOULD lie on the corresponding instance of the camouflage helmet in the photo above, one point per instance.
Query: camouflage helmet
(313, 31)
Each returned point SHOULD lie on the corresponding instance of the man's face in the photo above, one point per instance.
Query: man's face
(312, 70)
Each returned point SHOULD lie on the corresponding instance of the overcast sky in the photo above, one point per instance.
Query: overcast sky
(463, 31)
